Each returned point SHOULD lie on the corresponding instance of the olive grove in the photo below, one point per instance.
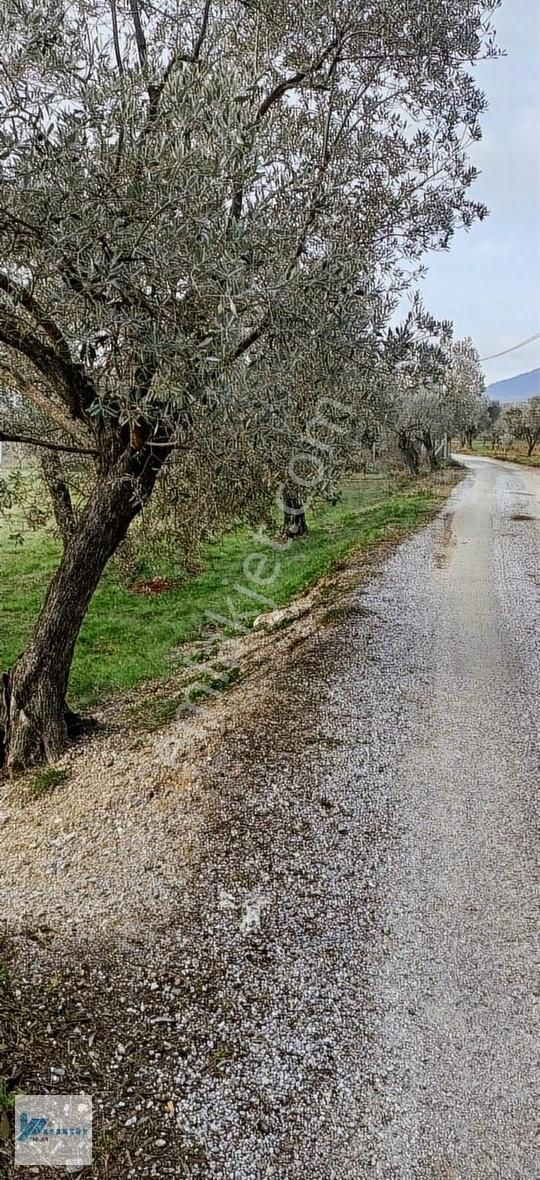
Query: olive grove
(431, 389)
(522, 423)
(207, 213)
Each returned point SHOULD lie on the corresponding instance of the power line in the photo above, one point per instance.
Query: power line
(514, 348)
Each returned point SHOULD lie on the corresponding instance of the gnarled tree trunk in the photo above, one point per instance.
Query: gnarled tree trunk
(294, 514)
(430, 450)
(409, 453)
(35, 714)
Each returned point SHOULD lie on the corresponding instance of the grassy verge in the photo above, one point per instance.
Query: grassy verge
(128, 638)
(515, 453)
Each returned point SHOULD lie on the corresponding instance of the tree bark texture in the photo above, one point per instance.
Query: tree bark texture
(35, 689)
(294, 515)
(409, 454)
(429, 447)
(58, 490)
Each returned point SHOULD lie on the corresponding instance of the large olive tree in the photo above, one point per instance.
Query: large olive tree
(186, 190)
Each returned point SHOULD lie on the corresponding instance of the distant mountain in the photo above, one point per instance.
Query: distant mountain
(515, 389)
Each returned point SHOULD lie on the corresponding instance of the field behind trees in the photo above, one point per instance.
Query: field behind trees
(513, 452)
(136, 631)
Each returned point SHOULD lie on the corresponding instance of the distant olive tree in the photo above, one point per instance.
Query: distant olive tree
(522, 423)
(465, 391)
(491, 426)
(187, 192)
(434, 388)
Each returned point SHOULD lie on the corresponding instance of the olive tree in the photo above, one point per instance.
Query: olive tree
(182, 185)
(522, 422)
(466, 390)
(492, 424)
(413, 370)
(434, 387)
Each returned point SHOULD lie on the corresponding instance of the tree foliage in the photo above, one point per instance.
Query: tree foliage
(522, 422)
(205, 213)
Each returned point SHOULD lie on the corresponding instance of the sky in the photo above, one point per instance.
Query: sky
(489, 281)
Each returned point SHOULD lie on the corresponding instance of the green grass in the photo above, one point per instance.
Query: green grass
(46, 780)
(7, 1098)
(514, 453)
(127, 638)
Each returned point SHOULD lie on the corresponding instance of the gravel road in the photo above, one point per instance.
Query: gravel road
(456, 1022)
(331, 974)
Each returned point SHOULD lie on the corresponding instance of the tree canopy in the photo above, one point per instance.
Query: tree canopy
(207, 215)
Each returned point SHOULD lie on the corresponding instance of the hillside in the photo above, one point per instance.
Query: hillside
(515, 389)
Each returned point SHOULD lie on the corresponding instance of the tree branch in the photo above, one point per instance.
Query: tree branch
(256, 333)
(279, 91)
(273, 97)
(57, 487)
(156, 92)
(251, 337)
(116, 39)
(79, 389)
(294, 80)
(22, 295)
(140, 38)
(204, 26)
(50, 446)
(43, 403)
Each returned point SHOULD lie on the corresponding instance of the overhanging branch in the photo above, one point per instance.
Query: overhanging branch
(29, 441)
(273, 97)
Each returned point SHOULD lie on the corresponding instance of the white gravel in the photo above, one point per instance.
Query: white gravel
(330, 976)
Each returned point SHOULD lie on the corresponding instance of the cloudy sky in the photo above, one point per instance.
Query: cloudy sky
(489, 282)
